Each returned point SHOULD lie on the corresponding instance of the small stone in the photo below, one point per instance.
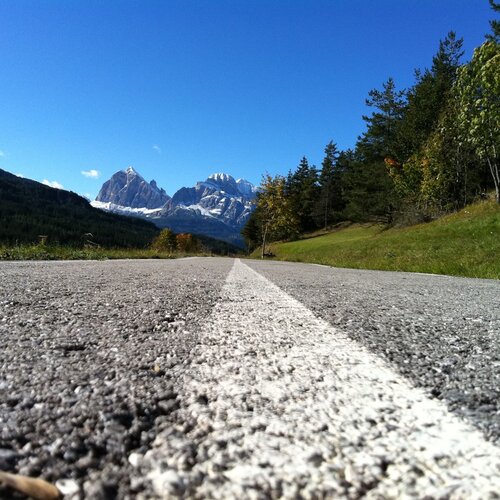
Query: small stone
(167, 482)
(68, 487)
(134, 459)
(315, 458)
(168, 406)
(7, 458)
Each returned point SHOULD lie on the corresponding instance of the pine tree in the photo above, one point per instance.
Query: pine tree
(380, 139)
(302, 191)
(369, 191)
(427, 98)
(327, 182)
(252, 230)
(495, 24)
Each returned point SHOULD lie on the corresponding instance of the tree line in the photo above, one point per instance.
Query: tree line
(426, 151)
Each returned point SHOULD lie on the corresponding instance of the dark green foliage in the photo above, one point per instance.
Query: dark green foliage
(29, 209)
(381, 137)
(495, 24)
(217, 247)
(302, 190)
(427, 99)
(252, 230)
(369, 191)
(331, 200)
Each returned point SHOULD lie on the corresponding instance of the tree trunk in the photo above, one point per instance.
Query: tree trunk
(326, 207)
(264, 238)
(496, 178)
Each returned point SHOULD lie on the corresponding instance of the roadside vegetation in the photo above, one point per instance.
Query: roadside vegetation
(465, 243)
(166, 245)
(39, 222)
(60, 252)
(428, 151)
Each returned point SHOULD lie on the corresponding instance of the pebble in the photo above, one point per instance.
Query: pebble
(68, 487)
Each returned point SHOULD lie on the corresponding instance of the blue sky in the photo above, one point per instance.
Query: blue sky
(180, 89)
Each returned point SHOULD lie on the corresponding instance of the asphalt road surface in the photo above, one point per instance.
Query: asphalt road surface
(221, 378)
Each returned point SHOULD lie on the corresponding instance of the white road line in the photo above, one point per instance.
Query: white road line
(291, 406)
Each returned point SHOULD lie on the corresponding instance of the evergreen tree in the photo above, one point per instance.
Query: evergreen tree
(495, 24)
(252, 230)
(380, 139)
(330, 189)
(302, 192)
(369, 191)
(427, 98)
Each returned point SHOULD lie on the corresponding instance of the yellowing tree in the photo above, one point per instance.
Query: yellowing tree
(276, 216)
(165, 241)
(187, 243)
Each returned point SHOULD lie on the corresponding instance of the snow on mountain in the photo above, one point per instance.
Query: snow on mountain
(218, 206)
(246, 188)
(218, 196)
(112, 207)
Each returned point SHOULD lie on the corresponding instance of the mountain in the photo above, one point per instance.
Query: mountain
(128, 189)
(217, 207)
(246, 188)
(29, 209)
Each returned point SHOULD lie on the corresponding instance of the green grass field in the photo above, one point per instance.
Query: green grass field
(466, 243)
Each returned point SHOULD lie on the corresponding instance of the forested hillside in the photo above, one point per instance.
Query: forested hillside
(29, 210)
(427, 150)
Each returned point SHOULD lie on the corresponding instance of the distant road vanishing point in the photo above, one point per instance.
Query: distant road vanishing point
(229, 378)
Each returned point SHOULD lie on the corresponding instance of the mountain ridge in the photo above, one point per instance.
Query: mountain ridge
(218, 206)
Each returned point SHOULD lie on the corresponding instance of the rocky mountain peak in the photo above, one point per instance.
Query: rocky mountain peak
(223, 182)
(127, 188)
(218, 177)
(217, 207)
(246, 188)
(132, 172)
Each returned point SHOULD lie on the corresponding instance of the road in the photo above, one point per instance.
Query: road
(226, 378)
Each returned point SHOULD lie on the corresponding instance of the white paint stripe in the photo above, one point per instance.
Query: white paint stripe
(304, 410)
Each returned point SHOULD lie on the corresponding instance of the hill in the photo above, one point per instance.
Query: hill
(466, 243)
(29, 209)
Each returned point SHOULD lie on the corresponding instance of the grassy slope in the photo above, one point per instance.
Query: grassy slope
(466, 243)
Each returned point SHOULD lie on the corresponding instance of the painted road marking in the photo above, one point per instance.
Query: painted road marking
(292, 406)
